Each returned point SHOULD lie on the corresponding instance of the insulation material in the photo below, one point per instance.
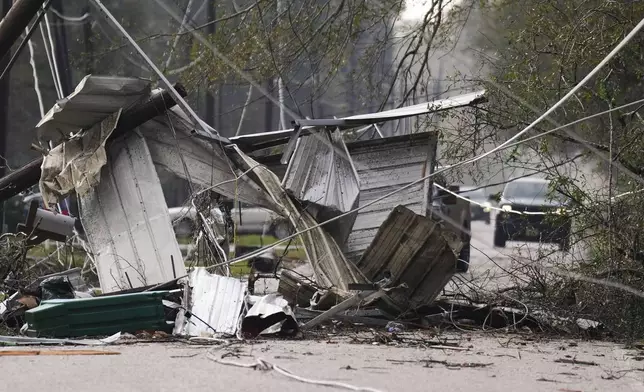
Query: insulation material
(173, 147)
(332, 270)
(94, 99)
(76, 164)
(127, 222)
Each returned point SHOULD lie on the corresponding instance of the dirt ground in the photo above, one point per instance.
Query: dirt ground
(481, 362)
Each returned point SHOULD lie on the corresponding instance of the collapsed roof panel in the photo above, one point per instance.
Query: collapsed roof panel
(127, 222)
(198, 161)
(413, 250)
(93, 100)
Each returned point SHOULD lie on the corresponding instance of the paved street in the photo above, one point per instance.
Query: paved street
(489, 362)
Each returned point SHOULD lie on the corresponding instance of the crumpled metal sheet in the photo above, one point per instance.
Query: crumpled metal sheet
(332, 269)
(269, 314)
(76, 164)
(321, 172)
(174, 148)
(127, 222)
(215, 299)
(94, 99)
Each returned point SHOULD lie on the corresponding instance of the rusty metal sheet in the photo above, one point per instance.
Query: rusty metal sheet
(413, 250)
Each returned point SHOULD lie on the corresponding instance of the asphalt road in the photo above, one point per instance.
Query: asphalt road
(484, 362)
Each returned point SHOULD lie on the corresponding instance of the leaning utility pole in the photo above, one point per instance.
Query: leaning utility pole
(4, 109)
(15, 20)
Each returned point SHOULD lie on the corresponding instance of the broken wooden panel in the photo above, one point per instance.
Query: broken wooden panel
(174, 148)
(127, 222)
(414, 250)
(332, 269)
(321, 172)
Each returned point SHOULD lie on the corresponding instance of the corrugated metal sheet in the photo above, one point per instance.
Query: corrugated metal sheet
(93, 100)
(127, 222)
(215, 299)
(416, 251)
(385, 165)
(377, 117)
(206, 164)
(321, 172)
(331, 268)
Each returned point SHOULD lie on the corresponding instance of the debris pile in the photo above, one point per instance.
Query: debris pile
(387, 256)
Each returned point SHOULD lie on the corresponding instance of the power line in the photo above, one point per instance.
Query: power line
(590, 75)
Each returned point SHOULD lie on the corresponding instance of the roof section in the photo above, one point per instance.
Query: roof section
(267, 139)
(93, 100)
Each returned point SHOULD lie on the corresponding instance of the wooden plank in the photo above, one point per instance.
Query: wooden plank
(20, 353)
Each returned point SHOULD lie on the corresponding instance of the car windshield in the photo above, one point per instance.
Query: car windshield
(473, 194)
(529, 190)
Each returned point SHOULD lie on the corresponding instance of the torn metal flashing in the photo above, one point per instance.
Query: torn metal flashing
(127, 222)
(321, 172)
(411, 250)
(76, 164)
(331, 268)
(215, 299)
(94, 99)
(173, 148)
(258, 141)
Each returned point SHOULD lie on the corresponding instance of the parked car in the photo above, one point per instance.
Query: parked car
(482, 207)
(545, 219)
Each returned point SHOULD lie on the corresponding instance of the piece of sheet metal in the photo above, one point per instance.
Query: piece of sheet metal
(174, 148)
(261, 140)
(94, 99)
(127, 222)
(332, 269)
(414, 251)
(215, 299)
(383, 165)
(321, 172)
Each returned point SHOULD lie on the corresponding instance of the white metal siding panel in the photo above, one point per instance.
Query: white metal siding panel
(127, 222)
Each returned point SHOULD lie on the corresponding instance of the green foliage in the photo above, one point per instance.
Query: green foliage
(539, 50)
